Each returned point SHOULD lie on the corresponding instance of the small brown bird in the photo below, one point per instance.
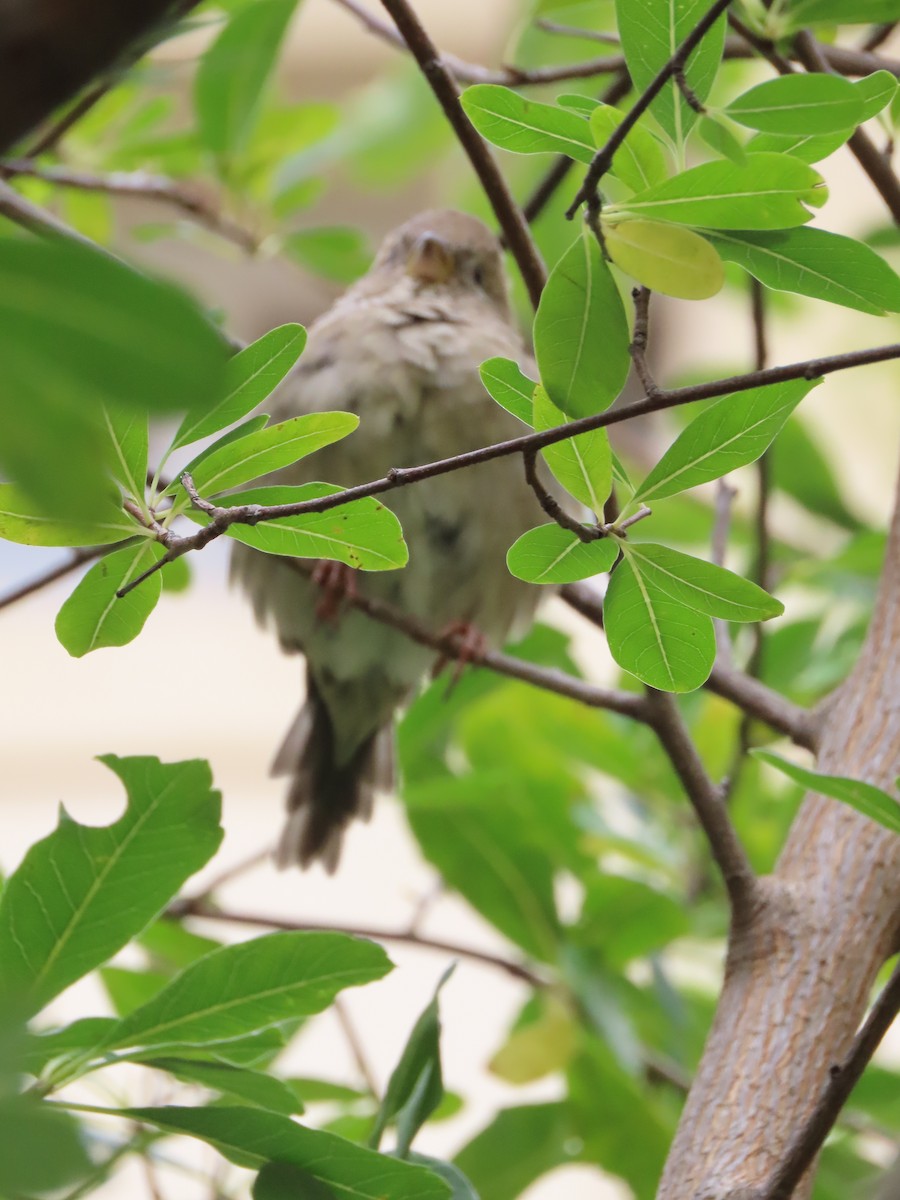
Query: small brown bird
(401, 348)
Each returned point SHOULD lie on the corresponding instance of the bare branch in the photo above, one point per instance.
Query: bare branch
(509, 215)
(843, 1077)
(640, 339)
(551, 505)
(253, 514)
(706, 799)
(37, 220)
(140, 185)
(602, 161)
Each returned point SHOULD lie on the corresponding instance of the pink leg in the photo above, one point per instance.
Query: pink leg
(337, 581)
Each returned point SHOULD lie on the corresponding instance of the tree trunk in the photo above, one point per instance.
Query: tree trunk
(800, 970)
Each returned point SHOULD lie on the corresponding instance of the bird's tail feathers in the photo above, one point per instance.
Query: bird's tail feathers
(325, 795)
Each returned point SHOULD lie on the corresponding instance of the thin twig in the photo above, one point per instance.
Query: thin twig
(252, 514)
(602, 161)
(515, 228)
(843, 1077)
(551, 505)
(575, 31)
(725, 495)
(878, 36)
(37, 220)
(355, 1045)
(706, 799)
(139, 185)
(640, 340)
(78, 559)
(196, 908)
(761, 45)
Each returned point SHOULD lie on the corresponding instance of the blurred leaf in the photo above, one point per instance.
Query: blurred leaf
(729, 434)
(256, 454)
(770, 191)
(250, 377)
(815, 263)
(719, 137)
(832, 12)
(24, 521)
(82, 892)
(250, 1137)
(539, 1047)
(525, 126)
(313, 1091)
(170, 946)
(128, 989)
(582, 464)
(416, 1085)
(625, 919)
(250, 1087)
(676, 262)
(93, 616)
(580, 333)
(281, 1181)
(237, 990)
(41, 1148)
(650, 33)
(176, 576)
(338, 252)
(639, 162)
(800, 469)
(509, 386)
(363, 534)
(551, 554)
(233, 73)
(873, 802)
(43, 1048)
(701, 585)
(808, 103)
(460, 1187)
(516, 1148)
(662, 641)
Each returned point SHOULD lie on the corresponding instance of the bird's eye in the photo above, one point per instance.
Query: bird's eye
(478, 276)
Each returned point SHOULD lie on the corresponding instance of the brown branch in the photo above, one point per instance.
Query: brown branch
(706, 799)
(139, 185)
(842, 1079)
(602, 161)
(37, 220)
(551, 505)
(198, 908)
(508, 214)
(252, 514)
(640, 339)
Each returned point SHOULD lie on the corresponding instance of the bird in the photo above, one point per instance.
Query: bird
(401, 348)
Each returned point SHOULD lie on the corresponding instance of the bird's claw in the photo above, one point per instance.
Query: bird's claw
(337, 582)
(471, 646)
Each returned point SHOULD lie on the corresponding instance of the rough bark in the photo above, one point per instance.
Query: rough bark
(799, 973)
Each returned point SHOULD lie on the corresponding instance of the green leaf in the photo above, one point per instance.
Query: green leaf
(769, 191)
(651, 32)
(873, 802)
(338, 252)
(250, 377)
(41, 1148)
(251, 1087)
(269, 449)
(25, 522)
(93, 616)
(538, 1048)
(580, 332)
(877, 91)
(814, 263)
(78, 1037)
(281, 1181)
(416, 1085)
(810, 103)
(239, 990)
(582, 464)
(509, 386)
(252, 1138)
(729, 434)
(625, 919)
(517, 1147)
(551, 554)
(639, 162)
(128, 438)
(808, 148)
(800, 469)
(460, 1187)
(233, 72)
(664, 258)
(363, 534)
(701, 585)
(82, 892)
(719, 137)
(663, 642)
(839, 12)
(128, 989)
(512, 122)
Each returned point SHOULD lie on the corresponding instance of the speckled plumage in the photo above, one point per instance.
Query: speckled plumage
(402, 352)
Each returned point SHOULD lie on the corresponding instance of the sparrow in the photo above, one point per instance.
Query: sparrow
(401, 349)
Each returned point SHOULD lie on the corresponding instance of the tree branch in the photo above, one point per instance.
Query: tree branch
(77, 559)
(252, 514)
(842, 1078)
(706, 799)
(509, 215)
(140, 185)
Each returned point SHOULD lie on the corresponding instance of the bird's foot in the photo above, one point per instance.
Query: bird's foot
(337, 582)
(471, 646)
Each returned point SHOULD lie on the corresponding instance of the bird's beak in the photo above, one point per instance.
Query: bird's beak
(431, 260)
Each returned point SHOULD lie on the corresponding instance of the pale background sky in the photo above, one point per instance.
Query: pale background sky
(176, 691)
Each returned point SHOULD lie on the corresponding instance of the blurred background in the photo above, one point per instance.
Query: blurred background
(360, 147)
